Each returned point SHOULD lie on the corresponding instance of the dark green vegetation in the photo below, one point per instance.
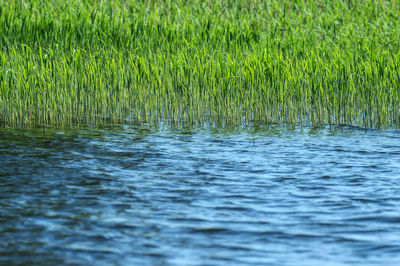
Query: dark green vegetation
(199, 62)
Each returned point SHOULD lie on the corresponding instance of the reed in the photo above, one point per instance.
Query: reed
(199, 63)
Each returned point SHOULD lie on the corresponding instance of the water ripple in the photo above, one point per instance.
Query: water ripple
(127, 196)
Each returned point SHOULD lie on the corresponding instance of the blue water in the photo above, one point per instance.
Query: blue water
(136, 196)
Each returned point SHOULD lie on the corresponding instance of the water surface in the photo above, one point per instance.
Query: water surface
(136, 196)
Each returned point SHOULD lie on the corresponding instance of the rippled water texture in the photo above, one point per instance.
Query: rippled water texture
(199, 197)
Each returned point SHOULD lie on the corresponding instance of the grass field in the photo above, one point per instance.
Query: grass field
(199, 63)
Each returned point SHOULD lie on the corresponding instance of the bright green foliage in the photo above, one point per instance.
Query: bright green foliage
(199, 62)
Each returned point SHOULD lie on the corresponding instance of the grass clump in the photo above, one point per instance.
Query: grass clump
(199, 62)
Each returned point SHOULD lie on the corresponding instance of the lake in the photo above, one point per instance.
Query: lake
(146, 196)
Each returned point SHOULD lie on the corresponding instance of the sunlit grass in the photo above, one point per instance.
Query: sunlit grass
(199, 63)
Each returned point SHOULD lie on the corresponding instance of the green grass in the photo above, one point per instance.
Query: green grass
(199, 63)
